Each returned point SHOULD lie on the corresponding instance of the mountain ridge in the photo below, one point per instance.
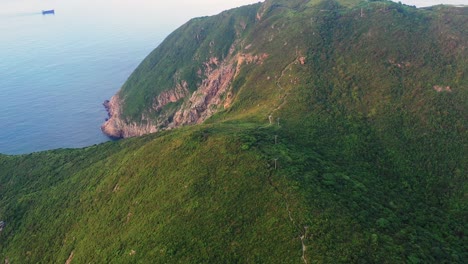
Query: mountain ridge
(212, 77)
(343, 141)
(185, 102)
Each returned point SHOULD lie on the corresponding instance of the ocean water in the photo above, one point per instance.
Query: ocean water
(56, 70)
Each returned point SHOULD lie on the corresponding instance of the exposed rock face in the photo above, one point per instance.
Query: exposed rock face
(440, 88)
(212, 94)
(116, 127)
(197, 82)
(2, 225)
(209, 96)
(171, 96)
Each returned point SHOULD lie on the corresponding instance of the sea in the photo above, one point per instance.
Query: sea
(56, 70)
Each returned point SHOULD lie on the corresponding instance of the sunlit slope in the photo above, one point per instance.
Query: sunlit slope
(191, 196)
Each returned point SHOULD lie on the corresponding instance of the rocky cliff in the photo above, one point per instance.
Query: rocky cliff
(181, 98)
(116, 127)
(214, 92)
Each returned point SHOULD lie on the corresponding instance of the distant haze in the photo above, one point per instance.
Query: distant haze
(235, 3)
(418, 3)
(423, 3)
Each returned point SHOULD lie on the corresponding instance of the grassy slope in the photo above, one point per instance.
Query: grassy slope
(370, 158)
(181, 55)
(192, 195)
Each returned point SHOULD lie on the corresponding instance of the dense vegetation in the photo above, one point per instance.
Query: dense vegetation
(181, 56)
(364, 160)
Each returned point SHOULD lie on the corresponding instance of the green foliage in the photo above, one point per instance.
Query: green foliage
(190, 195)
(366, 165)
(181, 56)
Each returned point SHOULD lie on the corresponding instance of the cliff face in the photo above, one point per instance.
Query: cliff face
(116, 127)
(187, 78)
(187, 84)
(214, 93)
(204, 102)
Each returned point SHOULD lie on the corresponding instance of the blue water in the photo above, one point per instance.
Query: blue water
(56, 70)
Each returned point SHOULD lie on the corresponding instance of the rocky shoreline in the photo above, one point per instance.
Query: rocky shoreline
(109, 128)
(116, 128)
(107, 107)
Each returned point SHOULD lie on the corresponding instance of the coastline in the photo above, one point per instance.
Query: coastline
(110, 127)
(116, 128)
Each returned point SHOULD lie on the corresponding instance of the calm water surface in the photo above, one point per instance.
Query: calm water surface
(56, 70)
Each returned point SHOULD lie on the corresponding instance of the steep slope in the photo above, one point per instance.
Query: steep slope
(186, 79)
(190, 196)
(328, 132)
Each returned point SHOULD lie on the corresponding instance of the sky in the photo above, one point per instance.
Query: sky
(235, 3)
(170, 8)
(422, 3)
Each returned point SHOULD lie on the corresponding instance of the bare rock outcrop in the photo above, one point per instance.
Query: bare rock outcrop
(116, 127)
(171, 96)
(212, 94)
(207, 99)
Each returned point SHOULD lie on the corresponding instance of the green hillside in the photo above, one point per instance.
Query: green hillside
(344, 142)
(180, 56)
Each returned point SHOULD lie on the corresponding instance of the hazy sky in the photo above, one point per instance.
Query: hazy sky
(168, 7)
(174, 12)
(235, 3)
(421, 3)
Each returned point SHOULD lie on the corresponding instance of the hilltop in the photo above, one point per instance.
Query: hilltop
(280, 132)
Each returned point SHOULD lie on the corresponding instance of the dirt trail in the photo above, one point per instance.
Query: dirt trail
(70, 258)
(278, 84)
(302, 230)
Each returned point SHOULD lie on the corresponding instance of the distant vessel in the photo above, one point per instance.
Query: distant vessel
(46, 12)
